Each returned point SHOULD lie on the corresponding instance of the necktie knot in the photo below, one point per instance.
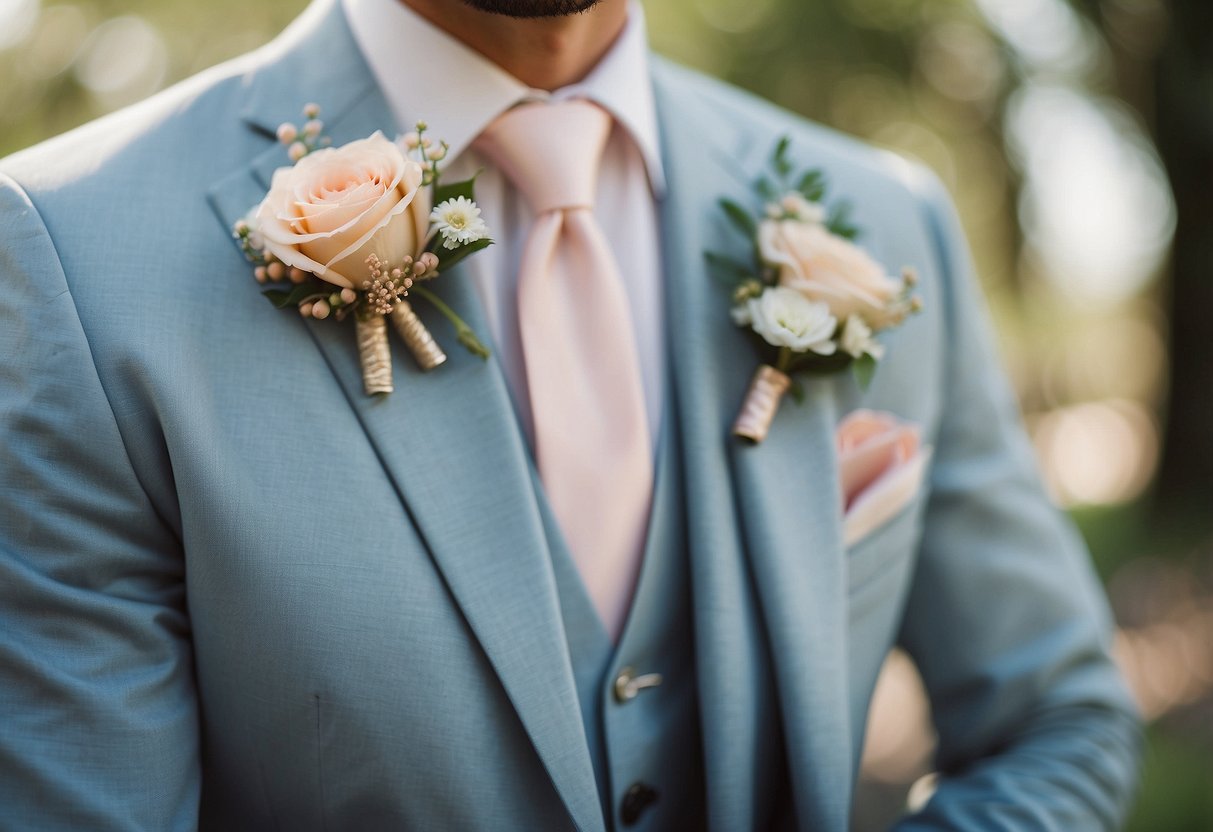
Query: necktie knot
(550, 151)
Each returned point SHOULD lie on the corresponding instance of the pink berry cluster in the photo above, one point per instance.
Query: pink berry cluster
(387, 285)
(300, 141)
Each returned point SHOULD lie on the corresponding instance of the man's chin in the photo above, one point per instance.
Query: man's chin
(532, 8)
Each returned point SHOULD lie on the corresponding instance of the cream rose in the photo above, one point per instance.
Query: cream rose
(786, 318)
(829, 269)
(337, 206)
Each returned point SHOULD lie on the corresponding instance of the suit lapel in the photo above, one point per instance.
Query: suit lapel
(448, 439)
(765, 537)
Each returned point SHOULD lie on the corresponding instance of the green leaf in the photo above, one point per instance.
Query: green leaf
(819, 365)
(766, 189)
(727, 268)
(465, 334)
(812, 186)
(447, 258)
(740, 217)
(282, 298)
(455, 189)
(839, 221)
(796, 391)
(864, 368)
(779, 159)
(469, 341)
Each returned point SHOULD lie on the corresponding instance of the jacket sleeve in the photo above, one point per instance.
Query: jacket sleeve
(98, 715)
(1006, 619)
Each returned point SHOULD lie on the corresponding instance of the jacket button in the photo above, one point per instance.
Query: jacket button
(636, 799)
(628, 684)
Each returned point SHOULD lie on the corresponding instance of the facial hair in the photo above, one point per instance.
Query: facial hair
(532, 8)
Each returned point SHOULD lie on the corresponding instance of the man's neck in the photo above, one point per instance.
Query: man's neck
(546, 52)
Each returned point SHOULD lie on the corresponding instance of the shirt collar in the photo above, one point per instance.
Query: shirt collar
(427, 74)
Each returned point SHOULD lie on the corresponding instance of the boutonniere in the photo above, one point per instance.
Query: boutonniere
(356, 230)
(813, 298)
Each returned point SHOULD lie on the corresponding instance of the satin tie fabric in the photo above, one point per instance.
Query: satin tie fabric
(592, 442)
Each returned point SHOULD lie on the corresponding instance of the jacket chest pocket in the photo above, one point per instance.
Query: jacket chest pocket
(884, 551)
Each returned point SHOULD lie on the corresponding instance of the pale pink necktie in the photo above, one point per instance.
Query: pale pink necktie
(592, 442)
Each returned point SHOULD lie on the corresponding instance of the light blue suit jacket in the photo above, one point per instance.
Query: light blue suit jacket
(235, 592)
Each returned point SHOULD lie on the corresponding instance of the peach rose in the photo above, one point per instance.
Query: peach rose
(337, 206)
(830, 269)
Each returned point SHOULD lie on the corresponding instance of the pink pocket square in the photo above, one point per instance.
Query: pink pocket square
(881, 463)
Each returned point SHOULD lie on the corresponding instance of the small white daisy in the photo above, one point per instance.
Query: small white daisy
(458, 221)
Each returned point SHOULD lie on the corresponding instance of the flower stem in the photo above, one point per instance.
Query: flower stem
(467, 337)
(785, 359)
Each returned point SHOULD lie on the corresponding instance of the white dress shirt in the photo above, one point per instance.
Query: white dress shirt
(428, 75)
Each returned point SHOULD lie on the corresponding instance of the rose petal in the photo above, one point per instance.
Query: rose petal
(336, 247)
(869, 445)
(336, 205)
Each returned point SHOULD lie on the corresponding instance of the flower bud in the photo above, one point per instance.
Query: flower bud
(240, 228)
(748, 289)
(311, 111)
(297, 151)
(348, 296)
(287, 132)
(320, 309)
(411, 140)
(305, 309)
(259, 274)
(313, 127)
(276, 270)
(297, 275)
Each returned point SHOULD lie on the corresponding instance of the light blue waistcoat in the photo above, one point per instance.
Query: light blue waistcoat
(646, 749)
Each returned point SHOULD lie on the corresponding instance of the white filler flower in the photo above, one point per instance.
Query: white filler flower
(786, 318)
(857, 339)
(458, 221)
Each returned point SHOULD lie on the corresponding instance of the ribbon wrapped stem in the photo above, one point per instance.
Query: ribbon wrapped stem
(374, 354)
(416, 336)
(761, 403)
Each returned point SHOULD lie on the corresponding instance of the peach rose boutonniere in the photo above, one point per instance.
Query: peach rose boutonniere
(355, 229)
(814, 299)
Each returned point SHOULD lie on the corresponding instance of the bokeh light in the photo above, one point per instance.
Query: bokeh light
(17, 18)
(1096, 205)
(123, 60)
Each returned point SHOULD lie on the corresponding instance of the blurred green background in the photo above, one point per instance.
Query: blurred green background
(1077, 139)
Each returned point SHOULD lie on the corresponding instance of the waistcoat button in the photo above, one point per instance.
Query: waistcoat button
(636, 799)
(628, 684)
